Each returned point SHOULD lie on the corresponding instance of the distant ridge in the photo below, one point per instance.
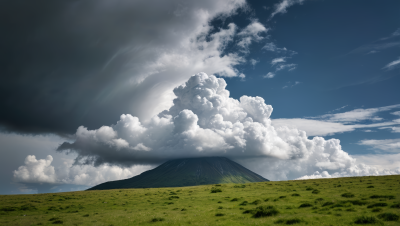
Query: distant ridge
(187, 172)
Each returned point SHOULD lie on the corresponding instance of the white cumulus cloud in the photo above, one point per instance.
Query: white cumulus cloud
(205, 121)
(41, 171)
(356, 171)
(367, 165)
(38, 171)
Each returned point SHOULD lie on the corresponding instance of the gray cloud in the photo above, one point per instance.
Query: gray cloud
(62, 62)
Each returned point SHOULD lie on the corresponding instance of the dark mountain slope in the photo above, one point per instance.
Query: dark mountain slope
(187, 172)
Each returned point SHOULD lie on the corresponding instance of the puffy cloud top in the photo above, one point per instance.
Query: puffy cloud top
(36, 171)
(203, 121)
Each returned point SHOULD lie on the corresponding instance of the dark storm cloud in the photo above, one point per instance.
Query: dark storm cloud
(63, 62)
(50, 65)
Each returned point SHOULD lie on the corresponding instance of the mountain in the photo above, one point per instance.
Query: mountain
(187, 172)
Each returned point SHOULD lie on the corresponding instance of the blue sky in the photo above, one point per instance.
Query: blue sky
(341, 63)
(334, 62)
(330, 68)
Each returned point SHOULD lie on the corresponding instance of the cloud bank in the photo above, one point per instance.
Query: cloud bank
(204, 121)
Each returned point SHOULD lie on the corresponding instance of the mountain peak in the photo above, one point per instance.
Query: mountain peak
(187, 172)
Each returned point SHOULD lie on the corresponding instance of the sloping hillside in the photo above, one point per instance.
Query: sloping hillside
(187, 172)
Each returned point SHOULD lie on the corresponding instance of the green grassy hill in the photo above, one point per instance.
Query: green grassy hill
(188, 172)
(342, 201)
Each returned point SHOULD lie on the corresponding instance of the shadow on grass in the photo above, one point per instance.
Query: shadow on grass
(348, 195)
(288, 221)
(382, 197)
(262, 211)
(388, 216)
(56, 220)
(367, 220)
(305, 205)
(379, 204)
(156, 219)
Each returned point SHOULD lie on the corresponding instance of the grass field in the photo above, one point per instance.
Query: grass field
(341, 201)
